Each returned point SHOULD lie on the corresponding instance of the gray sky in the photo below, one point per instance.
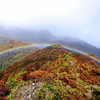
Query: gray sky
(76, 18)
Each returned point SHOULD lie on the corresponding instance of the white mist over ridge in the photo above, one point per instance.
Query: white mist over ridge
(74, 18)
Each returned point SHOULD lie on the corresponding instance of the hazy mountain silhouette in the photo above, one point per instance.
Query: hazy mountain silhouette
(45, 36)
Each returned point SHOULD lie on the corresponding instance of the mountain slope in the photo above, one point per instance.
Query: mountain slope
(79, 45)
(65, 75)
(3, 40)
(12, 44)
(9, 58)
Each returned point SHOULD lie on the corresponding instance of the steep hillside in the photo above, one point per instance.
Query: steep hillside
(9, 58)
(3, 40)
(58, 72)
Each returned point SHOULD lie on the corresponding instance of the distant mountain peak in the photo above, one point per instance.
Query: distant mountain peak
(57, 46)
(14, 41)
(12, 44)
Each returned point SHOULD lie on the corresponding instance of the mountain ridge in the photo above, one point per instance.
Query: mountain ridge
(45, 36)
(15, 55)
(3, 40)
(65, 74)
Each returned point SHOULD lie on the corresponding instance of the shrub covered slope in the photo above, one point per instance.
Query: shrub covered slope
(9, 58)
(66, 75)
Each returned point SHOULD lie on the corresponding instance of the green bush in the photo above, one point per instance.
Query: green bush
(56, 53)
(56, 91)
(45, 86)
(11, 82)
(66, 66)
(67, 57)
(41, 95)
(14, 90)
(74, 53)
(82, 82)
(34, 69)
(21, 73)
(96, 94)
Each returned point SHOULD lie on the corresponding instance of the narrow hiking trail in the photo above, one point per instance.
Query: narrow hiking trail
(26, 92)
(90, 91)
(87, 86)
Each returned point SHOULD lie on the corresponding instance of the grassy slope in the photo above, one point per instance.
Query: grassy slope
(67, 75)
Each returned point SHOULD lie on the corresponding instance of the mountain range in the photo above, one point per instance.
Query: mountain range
(59, 73)
(46, 37)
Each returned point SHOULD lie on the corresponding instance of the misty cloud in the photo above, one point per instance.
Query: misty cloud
(80, 19)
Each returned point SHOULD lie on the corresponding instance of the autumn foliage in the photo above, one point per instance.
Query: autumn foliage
(71, 83)
(52, 65)
(4, 91)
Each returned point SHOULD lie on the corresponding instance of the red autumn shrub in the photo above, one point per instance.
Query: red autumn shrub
(4, 91)
(61, 70)
(3, 98)
(67, 70)
(72, 84)
(25, 77)
(51, 69)
(65, 80)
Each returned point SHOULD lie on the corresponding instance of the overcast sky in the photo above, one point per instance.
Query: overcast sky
(76, 18)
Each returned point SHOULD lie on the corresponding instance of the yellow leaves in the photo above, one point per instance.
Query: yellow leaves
(61, 75)
(72, 70)
(64, 74)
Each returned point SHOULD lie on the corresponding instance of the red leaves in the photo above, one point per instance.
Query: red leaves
(3, 98)
(37, 66)
(91, 78)
(94, 72)
(67, 70)
(4, 91)
(64, 70)
(65, 80)
(61, 70)
(71, 83)
(29, 67)
(25, 77)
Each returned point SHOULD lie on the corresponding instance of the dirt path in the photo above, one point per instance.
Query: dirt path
(90, 91)
(26, 93)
